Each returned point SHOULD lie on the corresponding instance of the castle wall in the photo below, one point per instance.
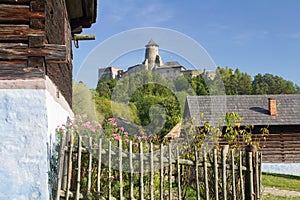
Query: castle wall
(30, 112)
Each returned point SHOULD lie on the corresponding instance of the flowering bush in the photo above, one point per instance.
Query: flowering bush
(109, 131)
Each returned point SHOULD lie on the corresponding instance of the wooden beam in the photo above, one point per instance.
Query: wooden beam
(19, 51)
(18, 32)
(18, 70)
(15, 1)
(18, 13)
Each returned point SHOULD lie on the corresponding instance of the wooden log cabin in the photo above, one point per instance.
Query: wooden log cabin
(35, 88)
(36, 36)
(279, 113)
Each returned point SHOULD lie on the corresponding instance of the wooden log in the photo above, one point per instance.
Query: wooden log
(205, 174)
(18, 32)
(241, 175)
(18, 13)
(78, 167)
(197, 174)
(178, 174)
(19, 51)
(20, 2)
(161, 172)
(89, 183)
(141, 172)
(224, 173)
(36, 41)
(131, 171)
(151, 172)
(109, 170)
(99, 165)
(37, 5)
(60, 166)
(233, 186)
(170, 171)
(216, 175)
(120, 170)
(70, 162)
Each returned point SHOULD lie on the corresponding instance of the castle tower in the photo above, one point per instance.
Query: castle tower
(152, 58)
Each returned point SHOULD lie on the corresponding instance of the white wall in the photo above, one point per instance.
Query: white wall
(28, 118)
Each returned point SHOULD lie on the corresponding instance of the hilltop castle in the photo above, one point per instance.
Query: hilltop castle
(154, 63)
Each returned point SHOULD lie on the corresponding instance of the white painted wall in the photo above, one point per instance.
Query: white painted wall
(28, 118)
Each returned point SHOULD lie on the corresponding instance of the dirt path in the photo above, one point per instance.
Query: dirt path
(278, 192)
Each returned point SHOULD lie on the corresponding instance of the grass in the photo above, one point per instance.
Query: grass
(281, 181)
(272, 197)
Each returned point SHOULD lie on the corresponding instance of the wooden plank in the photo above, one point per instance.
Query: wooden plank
(18, 32)
(233, 175)
(216, 182)
(141, 172)
(20, 51)
(197, 175)
(256, 174)
(12, 64)
(161, 172)
(89, 183)
(60, 166)
(151, 172)
(250, 169)
(70, 164)
(131, 171)
(18, 13)
(78, 167)
(120, 169)
(99, 165)
(15, 2)
(241, 175)
(109, 170)
(224, 175)
(205, 174)
(170, 171)
(178, 174)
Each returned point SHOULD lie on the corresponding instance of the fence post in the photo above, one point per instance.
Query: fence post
(224, 171)
(249, 182)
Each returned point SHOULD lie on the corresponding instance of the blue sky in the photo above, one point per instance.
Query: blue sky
(258, 36)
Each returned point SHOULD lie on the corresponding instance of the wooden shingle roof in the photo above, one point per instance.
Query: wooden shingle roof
(254, 109)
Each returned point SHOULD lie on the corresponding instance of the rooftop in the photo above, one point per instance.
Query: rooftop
(254, 109)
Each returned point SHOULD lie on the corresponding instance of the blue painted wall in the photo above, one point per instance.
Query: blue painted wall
(26, 125)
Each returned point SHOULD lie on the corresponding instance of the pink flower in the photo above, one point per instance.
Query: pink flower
(84, 116)
(126, 134)
(117, 136)
(135, 144)
(87, 125)
(122, 129)
(112, 121)
(126, 140)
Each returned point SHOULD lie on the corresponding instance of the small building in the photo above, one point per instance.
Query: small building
(279, 113)
(35, 88)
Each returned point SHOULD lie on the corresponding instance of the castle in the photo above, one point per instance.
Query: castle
(153, 62)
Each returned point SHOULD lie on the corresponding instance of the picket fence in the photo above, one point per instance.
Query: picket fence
(226, 175)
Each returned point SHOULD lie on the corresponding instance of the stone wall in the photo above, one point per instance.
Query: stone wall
(30, 112)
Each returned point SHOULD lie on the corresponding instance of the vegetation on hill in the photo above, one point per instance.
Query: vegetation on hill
(156, 104)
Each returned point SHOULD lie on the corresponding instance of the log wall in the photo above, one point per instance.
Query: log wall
(35, 41)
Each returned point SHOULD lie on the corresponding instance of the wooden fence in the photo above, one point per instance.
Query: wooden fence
(98, 171)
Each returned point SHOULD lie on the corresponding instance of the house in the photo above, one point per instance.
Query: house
(279, 113)
(35, 87)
